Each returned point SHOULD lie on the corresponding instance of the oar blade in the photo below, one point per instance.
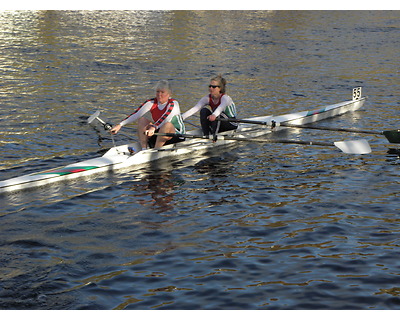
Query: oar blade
(93, 116)
(354, 146)
(393, 136)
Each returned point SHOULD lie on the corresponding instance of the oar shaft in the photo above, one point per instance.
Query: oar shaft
(223, 137)
(356, 147)
(283, 124)
(286, 141)
(329, 129)
(107, 126)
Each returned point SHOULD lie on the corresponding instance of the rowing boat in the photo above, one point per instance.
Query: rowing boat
(119, 157)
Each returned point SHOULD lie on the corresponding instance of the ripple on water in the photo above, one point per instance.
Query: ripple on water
(255, 226)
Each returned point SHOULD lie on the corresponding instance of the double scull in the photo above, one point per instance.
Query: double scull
(119, 157)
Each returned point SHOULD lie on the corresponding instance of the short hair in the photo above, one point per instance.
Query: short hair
(163, 85)
(221, 82)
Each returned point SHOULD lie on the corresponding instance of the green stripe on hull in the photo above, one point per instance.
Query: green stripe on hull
(311, 113)
(67, 170)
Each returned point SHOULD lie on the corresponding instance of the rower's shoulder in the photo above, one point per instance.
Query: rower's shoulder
(226, 97)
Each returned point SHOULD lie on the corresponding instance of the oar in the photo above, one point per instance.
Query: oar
(107, 126)
(356, 146)
(393, 136)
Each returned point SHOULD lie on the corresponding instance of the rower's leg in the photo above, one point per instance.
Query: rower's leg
(205, 123)
(215, 127)
(142, 125)
(226, 126)
(166, 128)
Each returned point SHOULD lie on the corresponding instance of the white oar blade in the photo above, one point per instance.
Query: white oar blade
(355, 146)
(93, 116)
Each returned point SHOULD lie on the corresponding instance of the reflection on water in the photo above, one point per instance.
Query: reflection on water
(249, 227)
(163, 187)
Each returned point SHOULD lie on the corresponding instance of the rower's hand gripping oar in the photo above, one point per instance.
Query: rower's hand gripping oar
(355, 147)
(393, 136)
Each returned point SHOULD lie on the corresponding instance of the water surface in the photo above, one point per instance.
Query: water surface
(249, 227)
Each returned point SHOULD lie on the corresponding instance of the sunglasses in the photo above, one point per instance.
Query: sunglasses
(211, 86)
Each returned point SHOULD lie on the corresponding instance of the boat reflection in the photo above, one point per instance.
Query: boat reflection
(161, 181)
(161, 188)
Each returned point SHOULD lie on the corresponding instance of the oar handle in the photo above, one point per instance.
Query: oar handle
(108, 126)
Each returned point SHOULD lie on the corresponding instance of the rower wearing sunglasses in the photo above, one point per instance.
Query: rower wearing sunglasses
(221, 105)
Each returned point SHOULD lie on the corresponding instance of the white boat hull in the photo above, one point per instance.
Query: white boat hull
(119, 157)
